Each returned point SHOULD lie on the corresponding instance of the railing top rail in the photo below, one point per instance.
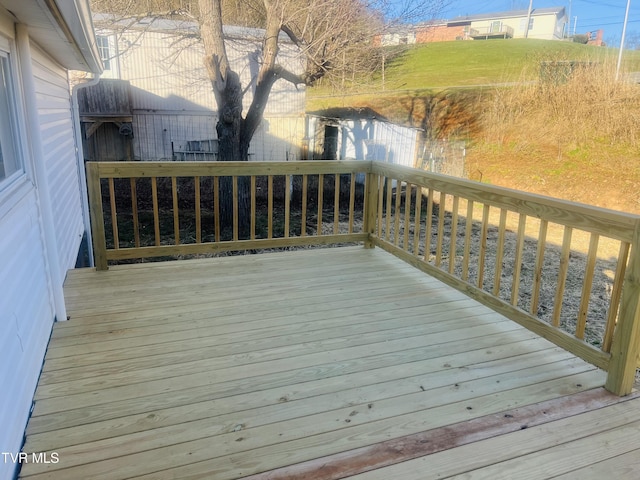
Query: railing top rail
(609, 223)
(191, 169)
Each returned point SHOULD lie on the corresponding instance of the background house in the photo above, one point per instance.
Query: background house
(169, 98)
(544, 23)
(41, 217)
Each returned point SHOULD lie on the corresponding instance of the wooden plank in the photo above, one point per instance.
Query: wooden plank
(303, 220)
(417, 221)
(381, 187)
(406, 448)
(471, 457)
(562, 276)
(453, 243)
(336, 203)
(428, 226)
(269, 206)
(616, 295)
(468, 232)
(581, 323)
(216, 207)
(156, 216)
(483, 245)
(388, 210)
(407, 215)
(352, 201)
(320, 203)
(134, 212)
(626, 338)
(196, 184)
(537, 275)
(176, 215)
(114, 215)
(517, 268)
(287, 205)
(497, 275)
(226, 169)
(626, 465)
(236, 219)
(253, 208)
(440, 232)
(97, 217)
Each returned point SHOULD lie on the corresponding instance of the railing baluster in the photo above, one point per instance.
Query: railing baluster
(517, 267)
(483, 244)
(499, 252)
(269, 206)
(586, 286)
(252, 227)
(616, 295)
(381, 184)
(287, 204)
(468, 231)
(428, 226)
(537, 275)
(196, 183)
(407, 214)
(234, 181)
(454, 235)
(440, 235)
(562, 275)
(417, 221)
(96, 211)
(114, 214)
(134, 212)
(387, 233)
(352, 201)
(396, 213)
(176, 218)
(156, 213)
(320, 202)
(303, 222)
(216, 207)
(336, 203)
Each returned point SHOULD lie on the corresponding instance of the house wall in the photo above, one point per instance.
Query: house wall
(545, 27)
(439, 33)
(27, 302)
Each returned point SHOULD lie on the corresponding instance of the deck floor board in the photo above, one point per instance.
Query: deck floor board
(248, 365)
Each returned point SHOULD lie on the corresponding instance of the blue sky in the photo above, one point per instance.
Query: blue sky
(591, 14)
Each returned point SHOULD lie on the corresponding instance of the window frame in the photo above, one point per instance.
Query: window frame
(16, 185)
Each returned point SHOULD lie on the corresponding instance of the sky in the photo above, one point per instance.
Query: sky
(587, 15)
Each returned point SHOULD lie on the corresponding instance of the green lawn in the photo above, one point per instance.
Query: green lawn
(470, 63)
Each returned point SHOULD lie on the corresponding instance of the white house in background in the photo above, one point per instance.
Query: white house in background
(173, 109)
(543, 23)
(41, 216)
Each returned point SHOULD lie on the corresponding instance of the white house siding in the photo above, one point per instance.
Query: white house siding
(26, 316)
(545, 27)
(159, 134)
(56, 128)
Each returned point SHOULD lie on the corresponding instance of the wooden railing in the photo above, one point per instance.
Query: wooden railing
(517, 253)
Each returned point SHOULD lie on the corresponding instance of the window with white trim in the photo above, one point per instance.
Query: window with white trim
(11, 164)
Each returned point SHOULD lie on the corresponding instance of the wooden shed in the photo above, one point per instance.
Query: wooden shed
(106, 120)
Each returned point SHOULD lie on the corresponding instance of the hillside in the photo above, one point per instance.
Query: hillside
(576, 138)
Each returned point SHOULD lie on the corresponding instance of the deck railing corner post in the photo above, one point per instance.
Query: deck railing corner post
(97, 216)
(626, 339)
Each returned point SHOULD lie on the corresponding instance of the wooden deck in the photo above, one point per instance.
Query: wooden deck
(314, 364)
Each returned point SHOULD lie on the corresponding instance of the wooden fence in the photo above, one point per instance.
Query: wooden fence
(494, 244)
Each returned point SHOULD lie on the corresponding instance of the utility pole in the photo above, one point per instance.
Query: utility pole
(624, 32)
(526, 27)
(568, 24)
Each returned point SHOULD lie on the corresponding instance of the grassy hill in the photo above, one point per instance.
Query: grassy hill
(577, 139)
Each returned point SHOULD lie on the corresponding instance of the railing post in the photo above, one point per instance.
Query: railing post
(97, 216)
(626, 339)
(371, 206)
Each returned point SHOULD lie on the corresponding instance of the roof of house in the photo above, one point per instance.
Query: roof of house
(62, 27)
(508, 14)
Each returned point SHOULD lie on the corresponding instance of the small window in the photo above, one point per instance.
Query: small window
(102, 42)
(10, 160)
